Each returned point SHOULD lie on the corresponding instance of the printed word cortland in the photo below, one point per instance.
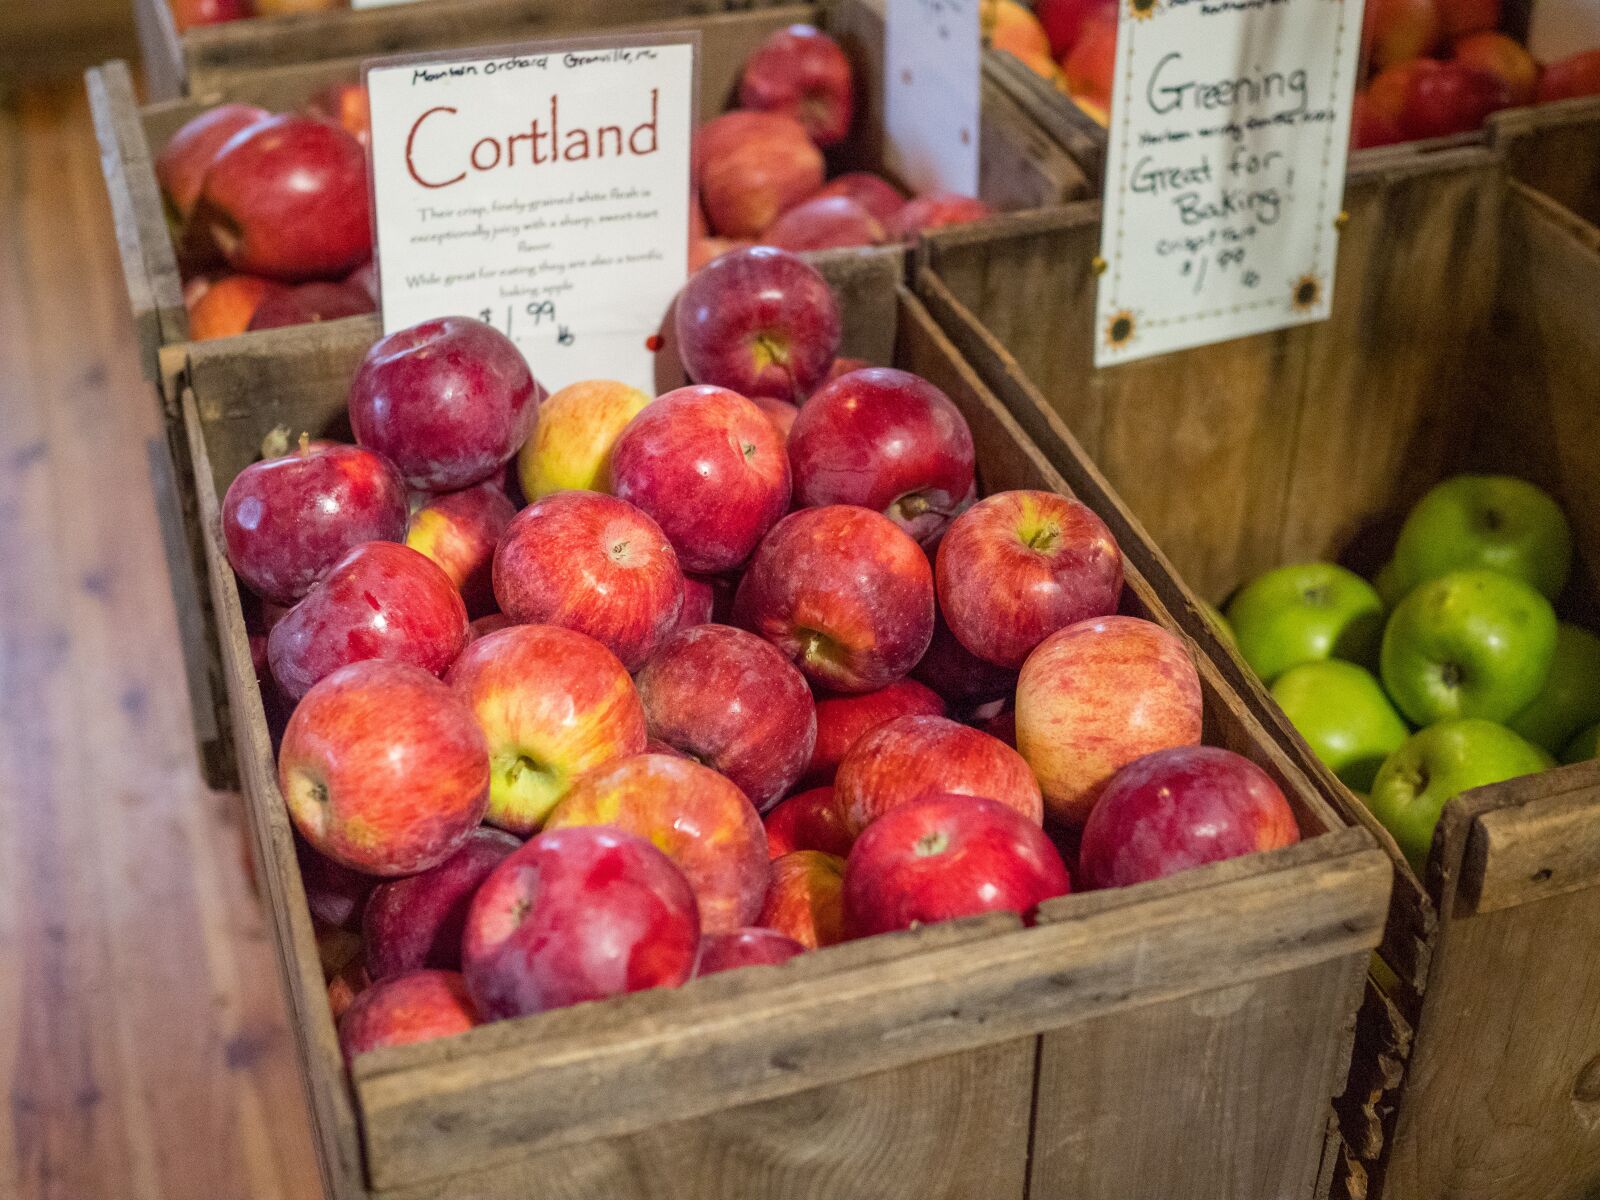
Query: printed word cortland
(438, 155)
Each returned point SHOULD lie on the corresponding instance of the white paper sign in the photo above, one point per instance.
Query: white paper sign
(930, 81)
(1225, 168)
(543, 190)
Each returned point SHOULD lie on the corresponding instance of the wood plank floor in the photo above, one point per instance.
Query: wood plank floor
(142, 1035)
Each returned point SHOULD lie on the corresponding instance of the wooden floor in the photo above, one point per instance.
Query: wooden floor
(142, 1034)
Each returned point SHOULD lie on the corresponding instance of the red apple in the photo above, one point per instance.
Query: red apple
(287, 198)
(553, 705)
(1064, 21)
(227, 307)
(485, 625)
(705, 250)
(188, 14)
(806, 898)
(1017, 566)
(459, 531)
(698, 818)
(842, 591)
(345, 105)
(886, 440)
(843, 720)
(1395, 31)
(1181, 808)
(308, 303)
(748, 947)
(416, 922)
(1571, 77)
(575, 915)
(780, 412)
(286, 521)
(824, 223)
(912, 757)
(383, 769)
(448, 401)
(1459, 18)
(1091, 65)
(1370, 126)
(1504, 58)
(1097, 695)
(732, 701)
(182, 164)
(934, 212)
(752, 167)
(842, 367)
(335, 894)
(873, 192)
(711, 470)
(945, 857)
(699, 602)
(801, 72)
(807, 821)
(1449, 97)
(404, 1010)
(760, 322)
(593, 563)
(381, 600)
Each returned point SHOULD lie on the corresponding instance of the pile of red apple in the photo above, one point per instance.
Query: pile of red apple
(187, 14)
(1072, 43)
(753, 671)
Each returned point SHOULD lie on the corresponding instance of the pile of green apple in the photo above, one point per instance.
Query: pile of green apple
(1449, 671)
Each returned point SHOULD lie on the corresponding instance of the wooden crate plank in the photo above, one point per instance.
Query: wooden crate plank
(1541, 847)
(1554, 149)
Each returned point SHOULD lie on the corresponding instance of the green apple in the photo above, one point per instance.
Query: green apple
(1345, 718)
(1583, 747)
(1303, 613)
(1570, 698)
(1470, 643)
(1437, 764)
(1494, 521)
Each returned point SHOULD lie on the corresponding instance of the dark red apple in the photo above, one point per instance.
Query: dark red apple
(807, 821)
(382, 600)
(751, 167)
(1370, 126)
(335, 894)
(711, 470)
(801, 72)
(308, 303)
(760, 322)
(404, 1010)
(1450, 97)
(843, 720)
(748, 947)
(960, 676)
(485, 625)
(384, 769)
(699, 602)
(188, 14)
(417, 921)
(447, 401)
(574, 915)
(842, 591)
(286, 521)
(945, 857)
(887, 440)
(1063, 21)
(1571, 77)
(732, 701)
(594, 563)
(873, 192)
(934, 212)
(1181, 808)
(805, 900)
(287, 198)
(459, 531)
(824, 223)
(182, 164)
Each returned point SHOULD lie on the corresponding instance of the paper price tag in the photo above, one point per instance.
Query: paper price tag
(931, 61)
(1225, 170)
(542, 189)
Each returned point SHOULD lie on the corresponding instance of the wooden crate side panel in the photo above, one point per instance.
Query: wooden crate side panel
(1555, 149)
(1247, 1072)
(161, 50)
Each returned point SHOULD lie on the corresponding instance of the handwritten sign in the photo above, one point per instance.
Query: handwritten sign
(1224, 170)
(544, 190)
(931, 71)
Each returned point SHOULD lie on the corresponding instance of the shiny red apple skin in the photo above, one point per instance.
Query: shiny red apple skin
(1095, 696)
(748, 947)
(964, 680)
(405, 1010)
(805, 901)
(844, 720)
(1181, 808)
(593, 563)
(1445, 98)
(481, 627)
(1064, 20)
(887, 440)
(710, 469)
(909, 758)
(945, 857)
(751, 167)
(844, 592)
(182, 164)
(873, 192)
(335, 894)
(308, 303)
(807, 820)
(802, 72)
(1571, 77)
(286, 521)
(760, 322)
(732, 701)
(780, 412)
(381, 600)
(935, 212)
(287, 198)
(574, 915)
(459, 531)
(416, 922)
(824, 223)
(384, 769)
(698, 818)
(447, 401)
(1019, 565)
(699, 602)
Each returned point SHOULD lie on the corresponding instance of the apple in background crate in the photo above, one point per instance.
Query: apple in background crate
(801, 72)
(407, 1009)
(748, 947)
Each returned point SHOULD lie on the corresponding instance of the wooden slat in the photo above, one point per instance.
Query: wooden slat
(1555, 149)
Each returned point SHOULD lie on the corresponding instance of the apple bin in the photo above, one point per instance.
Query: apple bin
(1463, 337)
(1179, 1037)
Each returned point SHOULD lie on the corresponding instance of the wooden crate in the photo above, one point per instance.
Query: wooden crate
(1182, 1037)
(1313, 443)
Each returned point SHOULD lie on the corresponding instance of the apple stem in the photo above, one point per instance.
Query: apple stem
(305, 444)
(1042, 538)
